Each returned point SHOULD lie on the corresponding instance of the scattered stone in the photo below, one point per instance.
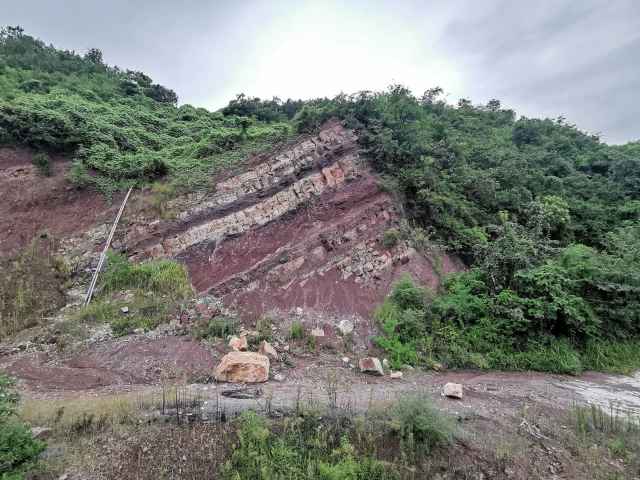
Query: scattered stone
(139, 331)
(267, 349)
(437, 366)
(345, 327)
(278, 377)
(371, 365)
(243, 367)
(242, 393)
(452, 390)
(317, 332)
(239, 344)
(124, 309)
(41, 433)
(407, 367)
(299, 311)
(346, 359)
(396, 375)
(385, 364)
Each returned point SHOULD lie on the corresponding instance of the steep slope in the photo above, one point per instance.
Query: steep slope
(299, 228)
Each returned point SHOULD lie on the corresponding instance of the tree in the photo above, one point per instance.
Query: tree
(94, 55)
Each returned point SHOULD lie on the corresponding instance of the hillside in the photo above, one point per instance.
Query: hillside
(439, 237)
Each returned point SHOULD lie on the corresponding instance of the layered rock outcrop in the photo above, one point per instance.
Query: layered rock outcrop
(299, 228)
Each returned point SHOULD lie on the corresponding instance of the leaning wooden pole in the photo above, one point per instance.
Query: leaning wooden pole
(103, 255)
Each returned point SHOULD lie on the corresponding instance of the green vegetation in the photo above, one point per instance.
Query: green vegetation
(618, 432)
(339, 446)
(546, 216)
(220, 326)
(43, 163)
(391, 237)
(163, 277)
(120, 127)
(18, 449)
(296, 331)
(31, 286)
(296, 453)
(153, 290)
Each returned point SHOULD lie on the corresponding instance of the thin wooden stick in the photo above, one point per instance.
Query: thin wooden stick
(103, 255)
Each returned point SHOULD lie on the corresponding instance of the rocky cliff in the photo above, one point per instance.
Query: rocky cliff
(301, 228)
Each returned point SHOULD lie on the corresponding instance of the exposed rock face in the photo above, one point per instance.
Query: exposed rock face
(371, 365)
(300, 228)
(242, 367)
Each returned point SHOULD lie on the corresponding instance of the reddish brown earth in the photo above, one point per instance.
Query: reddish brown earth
(136, 361)
(292, 262)
(300, 228)
(32, 203)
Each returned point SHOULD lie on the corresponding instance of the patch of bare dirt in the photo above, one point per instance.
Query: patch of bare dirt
(116, 365)
(32, 203)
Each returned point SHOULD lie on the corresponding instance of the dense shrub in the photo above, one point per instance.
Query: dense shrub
(18, 449)
(545, 216)
(120, 127)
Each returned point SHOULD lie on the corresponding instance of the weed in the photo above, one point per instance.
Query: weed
(391, 237)
(43, 163)
(296, 331)
(166, 277)
(218, 327)
(30, 286)
(18, 449)
(420, 426)
(263, 327)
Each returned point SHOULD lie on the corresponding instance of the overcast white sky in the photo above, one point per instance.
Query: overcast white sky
(580, 58)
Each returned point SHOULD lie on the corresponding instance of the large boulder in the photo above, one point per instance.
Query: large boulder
(452, 390)
(243, 367)
(371, 365)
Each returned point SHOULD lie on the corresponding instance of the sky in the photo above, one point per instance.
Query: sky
(544, 58)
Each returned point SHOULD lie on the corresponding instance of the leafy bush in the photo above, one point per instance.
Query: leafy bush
(43, 163)
(296, 331)
(18, 449)
(420, 426)
(299, 453)
(218, 327)
(121, 128)
(391, 237)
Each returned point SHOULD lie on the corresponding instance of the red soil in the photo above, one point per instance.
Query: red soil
(291, 262)
(134, 362)
(32, 203)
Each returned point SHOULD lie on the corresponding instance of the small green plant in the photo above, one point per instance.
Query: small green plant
(18, 449)
(220, 326)
(263, 327)
(166, 277)
(296, 331)
(43, 163)
(391, 237)
(302, 451)
(420, 426)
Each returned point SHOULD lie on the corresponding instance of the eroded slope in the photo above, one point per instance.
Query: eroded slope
(301, 228)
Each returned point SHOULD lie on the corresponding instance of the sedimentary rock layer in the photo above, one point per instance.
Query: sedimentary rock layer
(302, 228)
